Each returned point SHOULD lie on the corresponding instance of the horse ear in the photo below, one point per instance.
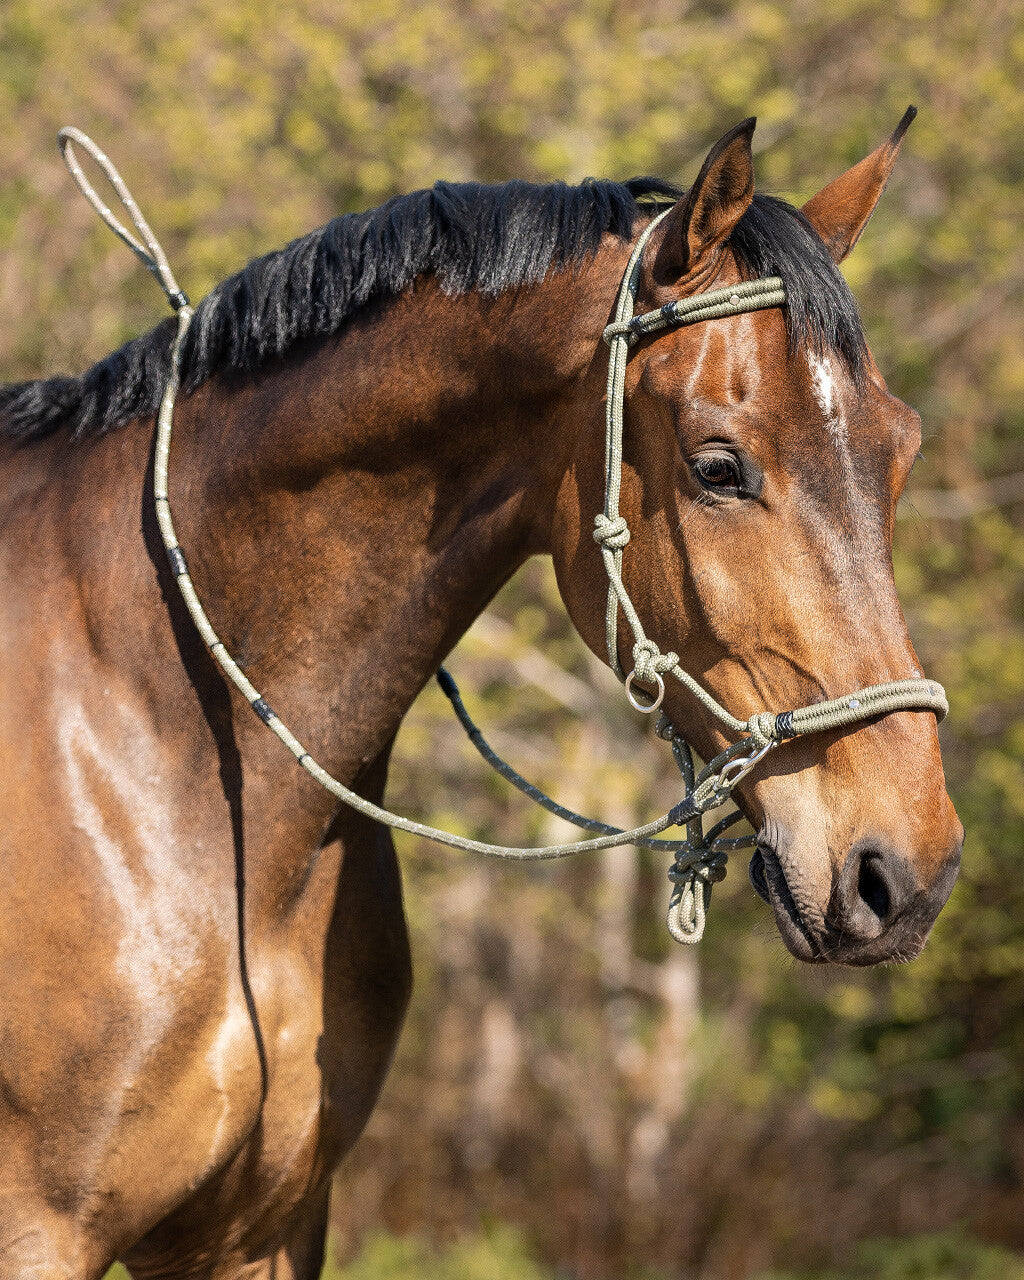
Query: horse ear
(706, 215)
(840, 211)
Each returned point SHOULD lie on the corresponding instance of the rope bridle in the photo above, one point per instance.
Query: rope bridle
(700, 858)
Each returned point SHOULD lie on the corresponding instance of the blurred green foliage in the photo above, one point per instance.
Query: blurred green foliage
(501, 1255)
(497, 1255)
(946, 1256)
(564, 1068)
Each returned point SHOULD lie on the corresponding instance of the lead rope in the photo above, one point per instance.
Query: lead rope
(700, 859)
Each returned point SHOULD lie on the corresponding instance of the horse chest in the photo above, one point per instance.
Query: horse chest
(324, 1035)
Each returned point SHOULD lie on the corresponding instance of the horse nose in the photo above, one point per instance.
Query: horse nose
(881, 909)
(873, 890)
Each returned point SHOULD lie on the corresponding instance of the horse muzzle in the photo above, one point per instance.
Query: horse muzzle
(880, 907)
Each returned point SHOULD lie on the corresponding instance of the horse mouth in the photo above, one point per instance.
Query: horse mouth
(768, 878)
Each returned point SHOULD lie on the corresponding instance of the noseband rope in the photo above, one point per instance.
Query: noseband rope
(700, 858)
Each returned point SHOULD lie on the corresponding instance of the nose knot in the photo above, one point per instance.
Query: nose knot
(611, 533)
(649, 661)
(763, 729)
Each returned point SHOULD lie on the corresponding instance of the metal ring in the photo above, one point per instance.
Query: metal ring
(645, 707)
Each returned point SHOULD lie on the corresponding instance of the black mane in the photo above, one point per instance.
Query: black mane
(470, 237)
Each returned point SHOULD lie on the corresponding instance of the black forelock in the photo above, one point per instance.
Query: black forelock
(775, 239)
(469, 236)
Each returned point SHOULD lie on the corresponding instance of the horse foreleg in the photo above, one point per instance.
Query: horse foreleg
(299, 1257)
(302, 1257)
(297, 1254)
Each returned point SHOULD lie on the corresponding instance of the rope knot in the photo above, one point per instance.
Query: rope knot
(665, 729)
(612, 534)
(709, 867)
(711, 872)
(649, 661)
(620, 329)
(763, 729)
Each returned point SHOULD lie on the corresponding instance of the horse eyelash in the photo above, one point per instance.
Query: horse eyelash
(704, 499)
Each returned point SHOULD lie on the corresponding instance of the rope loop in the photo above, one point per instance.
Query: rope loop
(149, 252)
(691, 897)
(611, 532)
(687, 916)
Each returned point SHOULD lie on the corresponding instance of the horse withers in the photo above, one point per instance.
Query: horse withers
(204, 960)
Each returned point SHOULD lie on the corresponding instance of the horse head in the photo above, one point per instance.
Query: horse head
(763, 460)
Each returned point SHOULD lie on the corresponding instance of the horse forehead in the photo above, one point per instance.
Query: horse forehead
(802, 412)
(730, 361)
(748, 366)
(810, 397)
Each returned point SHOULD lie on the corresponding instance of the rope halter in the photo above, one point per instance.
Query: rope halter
(700, 858)
(766, 729)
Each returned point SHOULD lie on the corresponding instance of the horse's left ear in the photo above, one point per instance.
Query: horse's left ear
(840, 211)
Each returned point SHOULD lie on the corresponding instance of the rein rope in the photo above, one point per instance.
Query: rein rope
(700, 858)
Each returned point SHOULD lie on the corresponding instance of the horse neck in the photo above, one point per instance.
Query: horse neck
(356, 507)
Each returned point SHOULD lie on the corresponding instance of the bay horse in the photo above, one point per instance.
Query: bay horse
(205, 960)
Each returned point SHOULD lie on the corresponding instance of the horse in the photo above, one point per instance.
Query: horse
(205, 960)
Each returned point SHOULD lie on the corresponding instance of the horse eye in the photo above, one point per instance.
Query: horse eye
(718, 471)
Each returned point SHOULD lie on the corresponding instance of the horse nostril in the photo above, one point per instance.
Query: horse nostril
(759, 876)
(871, 887)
